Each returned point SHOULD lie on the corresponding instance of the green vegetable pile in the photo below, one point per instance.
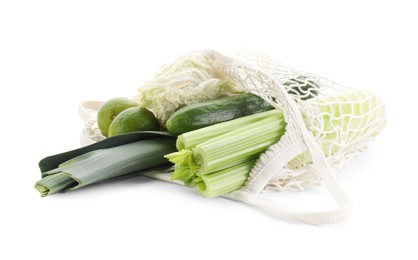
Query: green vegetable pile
(212, 142)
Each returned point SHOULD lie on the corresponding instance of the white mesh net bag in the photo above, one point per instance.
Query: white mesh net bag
(327, 126)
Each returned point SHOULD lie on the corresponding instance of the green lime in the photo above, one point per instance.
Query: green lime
(109, 110)
(134, 119)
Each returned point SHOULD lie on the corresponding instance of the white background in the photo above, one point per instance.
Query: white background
(56, 54)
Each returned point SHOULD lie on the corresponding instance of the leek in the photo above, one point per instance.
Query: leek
(105, 163)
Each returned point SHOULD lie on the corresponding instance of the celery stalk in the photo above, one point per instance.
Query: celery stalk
(224, 181)
(239, 145)
(190, 139)
(236, 146)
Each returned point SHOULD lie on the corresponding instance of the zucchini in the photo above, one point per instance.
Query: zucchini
(208, 113)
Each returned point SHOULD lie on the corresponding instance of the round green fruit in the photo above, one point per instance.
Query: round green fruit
(134, 119)
(109, 110)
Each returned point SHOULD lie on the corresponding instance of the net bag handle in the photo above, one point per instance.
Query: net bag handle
(297, 139)
(87, 112)
(86, 108)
